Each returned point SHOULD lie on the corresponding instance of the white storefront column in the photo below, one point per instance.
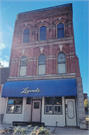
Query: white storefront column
(26, 110)
(80, 104)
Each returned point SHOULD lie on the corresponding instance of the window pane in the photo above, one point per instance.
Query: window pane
(28, 100)
(55, 108)
(47, 100)
(60, 25)
(10, 108)
(62, 68)
(18, 101)
(50, 108)
(26, 33)
(23, 61)
(42, 59)
(23, 70)
(60, 33)
(59, 108)
(61, 57)
(47, 109)
(18, 109)
(10, 101)
(26, 38)
(60, 30)
(42, 33)
(53, 100)
(41, 69)
(36, 105)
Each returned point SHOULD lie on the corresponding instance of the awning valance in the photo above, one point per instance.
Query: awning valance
(40, 88)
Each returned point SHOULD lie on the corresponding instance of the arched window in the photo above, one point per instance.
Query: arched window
(41, 64)
(23, 66)
(26, 33)
(60, 30)
(61, 62)
(42, 34)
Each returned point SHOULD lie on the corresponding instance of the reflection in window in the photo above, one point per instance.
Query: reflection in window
(18, 109)
(48, 108)
(42, 34)
(14, 105)
(61, 61)
(10, 108)
(53, 105)
(26, 33)
(23, 65)
(36, 105)
(41, 64)
(57, 108)
(60, 30)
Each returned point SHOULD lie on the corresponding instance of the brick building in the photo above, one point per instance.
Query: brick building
(45, 83)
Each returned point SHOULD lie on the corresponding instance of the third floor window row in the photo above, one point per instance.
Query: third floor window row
(42, 33)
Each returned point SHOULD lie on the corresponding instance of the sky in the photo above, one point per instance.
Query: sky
(8, 13)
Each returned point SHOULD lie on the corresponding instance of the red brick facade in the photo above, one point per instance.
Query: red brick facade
(51, 46)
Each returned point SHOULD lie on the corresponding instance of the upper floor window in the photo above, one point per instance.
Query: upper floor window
(41, 64)
(23, 66)
(60, 30)
(26, 33)
(42, 35)
(61, 62)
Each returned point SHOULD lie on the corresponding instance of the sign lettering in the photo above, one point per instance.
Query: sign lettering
(27, 91)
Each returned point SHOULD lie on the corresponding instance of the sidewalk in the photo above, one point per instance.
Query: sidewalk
(53, 130)
(70, 131)
(11, 127)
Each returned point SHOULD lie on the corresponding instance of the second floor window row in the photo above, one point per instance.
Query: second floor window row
(61, 64)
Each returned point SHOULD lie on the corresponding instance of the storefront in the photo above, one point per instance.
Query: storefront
(52, 102)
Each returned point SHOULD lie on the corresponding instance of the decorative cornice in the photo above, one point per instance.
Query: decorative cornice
(50, 42)
(50, 76)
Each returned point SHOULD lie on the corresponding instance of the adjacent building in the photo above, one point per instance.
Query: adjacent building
(4, 74)
(45, 84)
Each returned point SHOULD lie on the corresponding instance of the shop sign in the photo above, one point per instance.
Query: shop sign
(27, 91)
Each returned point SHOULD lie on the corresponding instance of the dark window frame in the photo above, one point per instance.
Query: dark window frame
(28, 100)
(26, 35)
(42, 34)
(60, 30)
(42, 61)
(59, 62)
(23, 63)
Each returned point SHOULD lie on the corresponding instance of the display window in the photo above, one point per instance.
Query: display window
(14, 105)
(53, 105)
